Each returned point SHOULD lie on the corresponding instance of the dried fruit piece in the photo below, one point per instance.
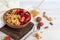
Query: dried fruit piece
(37, 35)
(44, 15)
(40, 23)
(38, 19)
(34, 12)
(47, 17)
(50, 19)
(46, 27)
(51, 23)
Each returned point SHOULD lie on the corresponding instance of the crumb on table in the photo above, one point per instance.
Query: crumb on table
(37, 35)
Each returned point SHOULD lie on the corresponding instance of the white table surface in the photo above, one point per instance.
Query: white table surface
(52, 7)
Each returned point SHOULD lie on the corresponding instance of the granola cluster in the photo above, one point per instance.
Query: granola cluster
(12, 18)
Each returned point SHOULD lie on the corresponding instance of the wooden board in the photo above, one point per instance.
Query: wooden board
(17, 34)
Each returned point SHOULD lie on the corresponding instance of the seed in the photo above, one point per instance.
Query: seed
(51, 23)
(46, 27)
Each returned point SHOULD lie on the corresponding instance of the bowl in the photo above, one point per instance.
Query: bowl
(17, 18)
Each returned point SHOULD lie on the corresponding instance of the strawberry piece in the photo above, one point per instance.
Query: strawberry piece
(23, 12)
(22, 19)
(7, 38)
(27, 16)
(27, 19)
(18, 11)
(40, 23)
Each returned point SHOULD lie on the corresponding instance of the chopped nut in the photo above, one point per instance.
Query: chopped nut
(47, 17)
(50, 19)
(51, 23)
(46, 27)
(44, 13)
(37, 35)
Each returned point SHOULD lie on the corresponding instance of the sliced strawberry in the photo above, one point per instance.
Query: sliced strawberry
(23, 12)
(7, 38)
(22, 19)
(27, 14)
(27, 17)
(18, 11)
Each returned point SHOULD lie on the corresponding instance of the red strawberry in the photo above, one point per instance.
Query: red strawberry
(23, 12)
(22, 19)
(27, 17)
(18, 11)
(27, 14)
(7, 38)
(40, 23)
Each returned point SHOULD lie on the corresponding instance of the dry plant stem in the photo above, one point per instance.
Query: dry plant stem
(37, 7)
